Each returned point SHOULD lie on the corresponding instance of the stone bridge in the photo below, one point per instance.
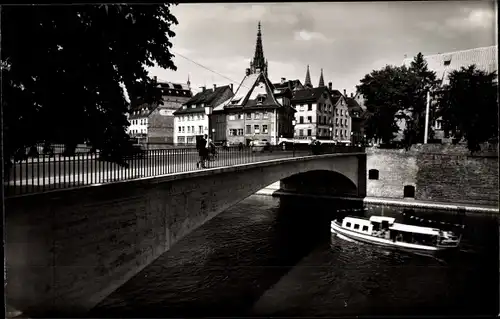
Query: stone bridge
(67, 250)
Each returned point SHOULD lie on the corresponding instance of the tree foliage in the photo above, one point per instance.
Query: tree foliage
(383, 93)
(396, 94)
(468, 106)
(63, 68)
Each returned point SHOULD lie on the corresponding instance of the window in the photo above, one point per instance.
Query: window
(356, 226)
(180, 129)
(373, 174)
(365, 228)
(240, 131)
(447, 62)
(437, 124)
(337, 112)
(192, 129)
(256, 129)
(180, 139)
(345, 122)
(309, 119)
(264, 129)
(190, 140)
(249, 116)
(257, 116)
(200, 129)
(265, 115)
(336, 132)
(345, 133)
(409, 191)
(309, 107)
(240, 116)
(193, 106)
(348, 224)
(248, 129)
(324, 119)
(232, 117)
(337, 121)
(183, 129)
(341, 112)
(309, 132)
(260, 99)
(301, 132)
(232, 132)
(189, 129)
(301, 120)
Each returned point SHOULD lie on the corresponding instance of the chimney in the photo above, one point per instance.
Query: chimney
(215, 86)
(203, 88)
(232, 87)
(330, 86)
(345, 93)
(247, 72)
(283, 80)
(352, 95)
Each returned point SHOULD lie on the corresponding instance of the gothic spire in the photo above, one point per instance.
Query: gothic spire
(259, 62)
(188, 83)
(307, 82)
(321, 80)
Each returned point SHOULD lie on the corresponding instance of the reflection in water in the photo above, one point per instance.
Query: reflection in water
(272, 257)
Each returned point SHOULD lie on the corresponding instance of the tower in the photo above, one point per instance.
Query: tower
(321, 80)
(307, 82)
(189, 83)
(259, 63)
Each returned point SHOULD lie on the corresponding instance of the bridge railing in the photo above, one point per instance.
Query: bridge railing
(56, 171)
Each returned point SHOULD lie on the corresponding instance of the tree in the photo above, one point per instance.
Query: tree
(383, 93)
(468, 106)
(63, 68)
(420, 81)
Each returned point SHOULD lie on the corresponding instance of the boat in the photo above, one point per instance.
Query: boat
(384, 231)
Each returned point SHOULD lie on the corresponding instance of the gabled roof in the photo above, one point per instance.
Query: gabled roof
(202, 99)
(251, 87)
(485, 58)
(290, 84)
(353, 106)
(309, 94)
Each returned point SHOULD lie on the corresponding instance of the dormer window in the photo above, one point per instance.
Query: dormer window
(260, 99)
(193, 106)
(447, 62)
(184, 107)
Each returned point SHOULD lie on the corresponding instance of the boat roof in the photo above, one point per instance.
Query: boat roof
(415, 229)
(380, 219)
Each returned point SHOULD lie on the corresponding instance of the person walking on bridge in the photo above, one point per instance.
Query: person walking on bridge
(202, 151)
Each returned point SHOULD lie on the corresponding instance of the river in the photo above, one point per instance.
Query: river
(276, 257)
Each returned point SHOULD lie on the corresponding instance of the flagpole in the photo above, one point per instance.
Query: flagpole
(426, 130)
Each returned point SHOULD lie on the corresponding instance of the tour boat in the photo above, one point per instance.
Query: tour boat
(383, 231)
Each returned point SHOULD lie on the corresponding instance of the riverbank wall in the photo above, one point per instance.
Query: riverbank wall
(431, 176)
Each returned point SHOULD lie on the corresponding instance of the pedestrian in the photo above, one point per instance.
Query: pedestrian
(202, 151)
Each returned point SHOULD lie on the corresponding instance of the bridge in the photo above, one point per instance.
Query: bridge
(66, 250)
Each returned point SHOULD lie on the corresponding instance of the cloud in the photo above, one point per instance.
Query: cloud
(475, 19)
(304, 35)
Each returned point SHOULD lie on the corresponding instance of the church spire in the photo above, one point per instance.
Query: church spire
(307, 82)
(259, 63)
(321, 80)
(189, 83)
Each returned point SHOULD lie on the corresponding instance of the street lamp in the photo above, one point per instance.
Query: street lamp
(208, 112)
(294, 122)
(331, 133)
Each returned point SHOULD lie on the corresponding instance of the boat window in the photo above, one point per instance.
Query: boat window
(356, 226)
(365, 228)
(348, 224)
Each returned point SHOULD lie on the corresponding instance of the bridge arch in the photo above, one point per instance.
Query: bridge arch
(319, 182)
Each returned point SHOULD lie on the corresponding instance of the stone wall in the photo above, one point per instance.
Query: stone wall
(67, 250)
(443, 173)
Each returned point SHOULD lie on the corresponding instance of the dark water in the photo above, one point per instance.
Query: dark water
(276, 257)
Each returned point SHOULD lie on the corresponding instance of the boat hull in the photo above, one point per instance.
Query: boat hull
(336, 228)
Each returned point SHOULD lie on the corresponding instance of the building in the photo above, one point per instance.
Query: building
(357, 120)
(191, 119)
(485, 58)
(292, 85)
(155, 123)
(258, 111)
(322, 113)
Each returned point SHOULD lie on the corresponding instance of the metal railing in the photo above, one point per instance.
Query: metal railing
(56, 171)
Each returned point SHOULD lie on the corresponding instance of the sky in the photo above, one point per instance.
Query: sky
(346, 39)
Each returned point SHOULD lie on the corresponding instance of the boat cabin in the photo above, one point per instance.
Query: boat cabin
(387, 228)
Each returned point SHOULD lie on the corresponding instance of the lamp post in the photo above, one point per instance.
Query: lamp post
(352, 138)
(331, 133)
(294, 122)
(208, 112)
